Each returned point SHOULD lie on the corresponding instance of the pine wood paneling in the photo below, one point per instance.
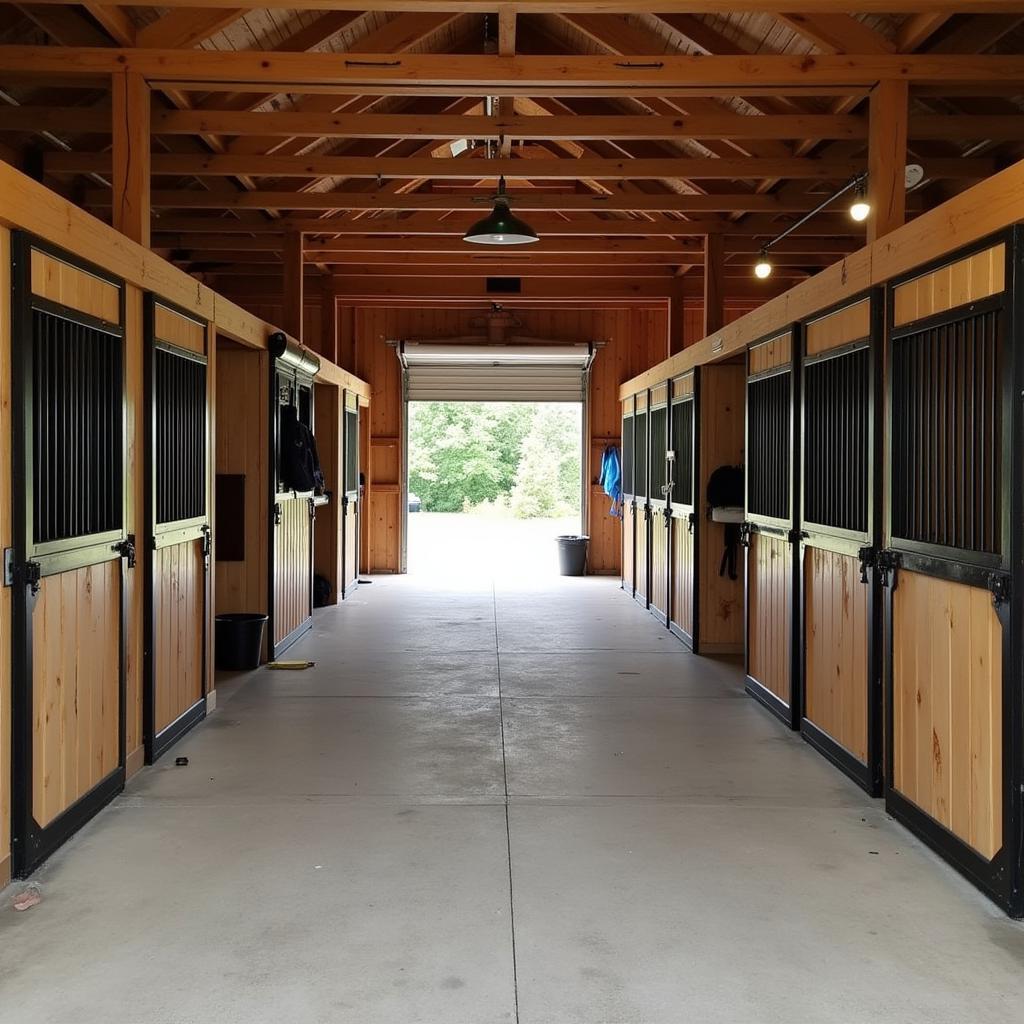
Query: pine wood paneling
(967, 280)
(351, 563)
(327, 550)
(947, 665)
(768, 355)
(58, 281)
(292, 539)
(721, 412)
(641, 553)
(836, 648)
(75, 686)
(682, 577)
(178, 588)
(175, 329)
(659, 564)
(242, 443)
(851, 323)
(770, 589)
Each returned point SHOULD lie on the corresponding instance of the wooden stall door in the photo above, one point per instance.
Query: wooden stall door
(628, 546)
(660, 505)
(842, 697)
(293, 571)
(71, 547)
(772, 586)
(954, 710)
(351, 506)
(682, 538)
(178, 512)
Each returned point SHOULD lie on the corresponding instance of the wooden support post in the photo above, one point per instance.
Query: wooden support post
(714, 283)
(887, 157)
(131, 159)
(676, 318)
(329, 322)
(292, 290)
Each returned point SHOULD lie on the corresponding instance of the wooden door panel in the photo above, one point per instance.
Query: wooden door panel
(179, 586)
(682, 577)
(947, 674)
(836, 637)
(769, 584)
(659, 564)
(628, 545)
(292, 540)
(76, 687)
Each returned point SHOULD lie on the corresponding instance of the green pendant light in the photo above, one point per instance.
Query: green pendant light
(501, 226)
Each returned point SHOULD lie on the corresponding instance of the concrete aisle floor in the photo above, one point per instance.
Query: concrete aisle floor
(492, 804)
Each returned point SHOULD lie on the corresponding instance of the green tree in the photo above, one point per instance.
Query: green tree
(548, 479)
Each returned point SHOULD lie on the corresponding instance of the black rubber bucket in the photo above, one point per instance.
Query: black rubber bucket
(239, 641)
(572, 555)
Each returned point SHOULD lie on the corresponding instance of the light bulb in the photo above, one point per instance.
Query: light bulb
(860, 210)
(762, 268)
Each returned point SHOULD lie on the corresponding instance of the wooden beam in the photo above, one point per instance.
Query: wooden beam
(292, 124)
(837, 33)
(186, 26)
(887, 158)
(617, 6)
(918, 29)
(826, 229)
(414, 168)
(130, 156)
(506, 31)
(482, 75)
(714, 284)
(115, 20)
(457, 246)
(292, 285)
(64, 25)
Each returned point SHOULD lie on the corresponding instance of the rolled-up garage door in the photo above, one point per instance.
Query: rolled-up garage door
(436, 372)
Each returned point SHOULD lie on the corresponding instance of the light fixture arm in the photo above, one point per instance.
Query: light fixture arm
(857, 181)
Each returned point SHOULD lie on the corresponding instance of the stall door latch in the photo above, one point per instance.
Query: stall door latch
(745, 531)
(868, 560)
(999, 584)
(887, 562)
(126, 549)
(277, 513)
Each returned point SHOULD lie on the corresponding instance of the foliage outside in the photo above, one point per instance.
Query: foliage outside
(496, 458)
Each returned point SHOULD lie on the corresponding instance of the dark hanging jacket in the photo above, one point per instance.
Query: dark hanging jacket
(300, 463)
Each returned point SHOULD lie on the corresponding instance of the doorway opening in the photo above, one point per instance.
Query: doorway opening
(490, 485)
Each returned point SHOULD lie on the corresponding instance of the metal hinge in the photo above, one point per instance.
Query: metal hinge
(794, 536)
(691, 520)
(746, 529)
(867, 561)
(277, 513)
(207, 545)
(126, 549)
(999, 585)
(887, 562)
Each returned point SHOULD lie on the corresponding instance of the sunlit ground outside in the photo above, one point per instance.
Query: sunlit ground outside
(491, 486)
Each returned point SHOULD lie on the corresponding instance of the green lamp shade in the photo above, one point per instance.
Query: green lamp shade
(501, 227)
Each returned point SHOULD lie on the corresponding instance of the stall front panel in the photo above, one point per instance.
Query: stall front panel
(683, 446)
(841, 643)
(350, 502)
(660, 504)
(954, 771)
(642, 526)
(628, 499)
(295, 496)
(71, 549)
(770, 529)
(177, 509)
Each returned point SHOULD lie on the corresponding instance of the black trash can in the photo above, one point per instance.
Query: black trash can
(572, 555)
(239, 638)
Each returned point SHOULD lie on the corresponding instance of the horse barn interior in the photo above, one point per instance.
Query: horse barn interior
(763, 761)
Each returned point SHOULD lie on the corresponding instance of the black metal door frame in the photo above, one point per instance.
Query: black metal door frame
(350, 497)
(628, 497)
(685, 516)
(788, 529)
(32, 843)
(864, 547)
(642, 507)
(661, 509)
(155, 741)
(1002, 878)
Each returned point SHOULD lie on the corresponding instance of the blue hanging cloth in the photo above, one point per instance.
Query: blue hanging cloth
(611, 478)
